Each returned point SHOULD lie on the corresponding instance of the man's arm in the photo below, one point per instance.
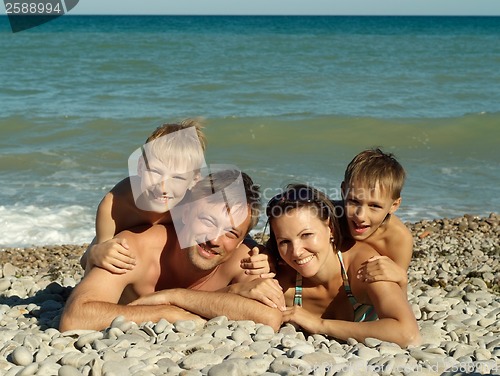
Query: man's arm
(94, 304)
(210, 304)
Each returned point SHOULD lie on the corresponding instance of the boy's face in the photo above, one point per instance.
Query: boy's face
(162, 188)
(366, 209)
(211, 233)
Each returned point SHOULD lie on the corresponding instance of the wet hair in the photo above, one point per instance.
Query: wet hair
(372, 168)
(298, 196)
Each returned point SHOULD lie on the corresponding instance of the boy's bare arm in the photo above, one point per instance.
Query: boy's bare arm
(116, 256)
(104, 226)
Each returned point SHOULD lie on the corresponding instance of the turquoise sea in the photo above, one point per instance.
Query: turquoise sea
(285, 99)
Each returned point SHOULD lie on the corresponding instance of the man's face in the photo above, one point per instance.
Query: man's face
(213, 232)
(366, 210)
(162, 187)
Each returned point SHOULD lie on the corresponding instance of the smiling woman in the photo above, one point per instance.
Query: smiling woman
(317, 272)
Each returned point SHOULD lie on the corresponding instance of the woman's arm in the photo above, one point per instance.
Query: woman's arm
(396, 320)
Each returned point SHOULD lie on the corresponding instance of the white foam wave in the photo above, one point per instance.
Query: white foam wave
(24, 226)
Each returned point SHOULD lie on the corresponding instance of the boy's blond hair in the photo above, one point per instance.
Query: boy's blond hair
(186, 149)
(373, 167)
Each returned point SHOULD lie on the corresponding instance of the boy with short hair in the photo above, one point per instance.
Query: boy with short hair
(163, 170)
(371, 191)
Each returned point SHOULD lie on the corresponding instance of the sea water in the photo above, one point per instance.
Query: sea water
(286, 99)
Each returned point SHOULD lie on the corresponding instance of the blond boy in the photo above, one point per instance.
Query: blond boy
(163, 170)
(371, 191)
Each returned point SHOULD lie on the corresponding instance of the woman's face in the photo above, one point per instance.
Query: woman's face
(303, 240)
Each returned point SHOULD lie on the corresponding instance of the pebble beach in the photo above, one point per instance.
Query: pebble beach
(454, 290)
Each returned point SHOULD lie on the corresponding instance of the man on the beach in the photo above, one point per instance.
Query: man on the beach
(203, 252)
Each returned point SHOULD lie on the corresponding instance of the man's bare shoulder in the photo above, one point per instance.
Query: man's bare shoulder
(232, 266)
(90, 287)
(150, 238)
(148, 244)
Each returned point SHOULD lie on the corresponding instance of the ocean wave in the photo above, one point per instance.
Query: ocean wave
(24, 226)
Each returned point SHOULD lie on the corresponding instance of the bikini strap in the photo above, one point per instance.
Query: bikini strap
(297, 299)
(362, 312)
(345, 278)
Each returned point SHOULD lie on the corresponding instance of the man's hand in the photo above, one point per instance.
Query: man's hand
(258, 263)
(113, 255)
(264, 290)
(382, 268)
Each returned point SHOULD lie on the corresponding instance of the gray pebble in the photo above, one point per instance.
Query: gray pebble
(458, 315)
(68, 371)
(161, 326)
(9, 270)
(21, 356)
(287, 366)
(300, 350)
(372, 342)
(240, 335)
(264, 333)
(232, 367)
(198, 360)
(4, 284)
(185, 326)
(367, 353)
(87, 339)
(115, 368)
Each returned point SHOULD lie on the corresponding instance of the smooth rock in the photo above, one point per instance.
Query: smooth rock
(21, 356)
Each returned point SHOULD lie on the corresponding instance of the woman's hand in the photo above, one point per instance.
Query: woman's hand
(305, 319)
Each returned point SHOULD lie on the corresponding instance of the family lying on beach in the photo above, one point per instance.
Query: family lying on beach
(172, 241)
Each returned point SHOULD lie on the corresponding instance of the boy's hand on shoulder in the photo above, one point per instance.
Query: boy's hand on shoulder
(258, 263)
(382, 268)
(113, 255)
